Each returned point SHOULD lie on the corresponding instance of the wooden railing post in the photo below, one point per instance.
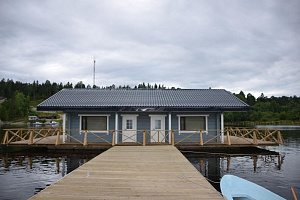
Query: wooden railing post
(201, 138)
(254, 138)
(30, 141)
(228, 163)
(279, 138)
(113, 139)
(172, 138)
(57, 138)
(266, 133)
(144, 138)
(228, 138)
(5, 139)
(85, 138)
(201, 165)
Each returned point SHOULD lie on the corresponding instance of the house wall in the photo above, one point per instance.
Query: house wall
(213, 127)
(74, 127)
(144, 123)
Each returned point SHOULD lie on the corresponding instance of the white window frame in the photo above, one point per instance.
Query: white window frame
(130, 115)
(182, 131)
(93, 115)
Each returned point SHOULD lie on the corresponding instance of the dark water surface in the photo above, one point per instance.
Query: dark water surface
(23, 174)
(277, 170)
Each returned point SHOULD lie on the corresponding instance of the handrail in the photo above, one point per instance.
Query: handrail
(229, 136)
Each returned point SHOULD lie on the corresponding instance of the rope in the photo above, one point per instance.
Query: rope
(215, 182)
(181, 176)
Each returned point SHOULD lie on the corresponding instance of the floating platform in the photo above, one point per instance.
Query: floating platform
(60, 139)
(134, 172)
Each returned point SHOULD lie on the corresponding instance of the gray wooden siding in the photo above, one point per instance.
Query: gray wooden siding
(144, 123)
(213, 125)
(73, 129)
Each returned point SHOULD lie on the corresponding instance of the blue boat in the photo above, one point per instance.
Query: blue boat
(235, 188)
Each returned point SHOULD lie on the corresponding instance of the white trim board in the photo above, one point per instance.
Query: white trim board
(94, 115)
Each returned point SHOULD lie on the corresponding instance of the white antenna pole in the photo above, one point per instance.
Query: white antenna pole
(94, 86)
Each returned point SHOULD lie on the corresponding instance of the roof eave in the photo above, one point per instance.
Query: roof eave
(137, 109)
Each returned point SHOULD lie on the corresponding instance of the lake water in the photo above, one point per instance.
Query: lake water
(23, 174)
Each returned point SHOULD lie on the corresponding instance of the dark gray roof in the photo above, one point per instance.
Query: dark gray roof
(180, 99)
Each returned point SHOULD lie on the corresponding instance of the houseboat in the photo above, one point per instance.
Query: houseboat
(135, 116)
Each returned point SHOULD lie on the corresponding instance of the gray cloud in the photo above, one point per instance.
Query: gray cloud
(237, 45)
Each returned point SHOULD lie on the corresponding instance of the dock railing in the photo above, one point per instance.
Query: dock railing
(229, 136)
(253, 136)
(30, 136)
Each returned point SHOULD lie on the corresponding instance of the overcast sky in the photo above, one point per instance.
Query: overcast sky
(249, 45)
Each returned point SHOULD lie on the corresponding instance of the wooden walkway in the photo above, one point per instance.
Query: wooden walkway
(133, 172)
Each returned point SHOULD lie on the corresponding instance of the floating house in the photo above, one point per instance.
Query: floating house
(122, 115)
(33, 118)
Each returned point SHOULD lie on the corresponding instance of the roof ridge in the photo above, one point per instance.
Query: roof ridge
(150, 89)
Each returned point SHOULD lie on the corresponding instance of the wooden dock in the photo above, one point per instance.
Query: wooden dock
(133, 172)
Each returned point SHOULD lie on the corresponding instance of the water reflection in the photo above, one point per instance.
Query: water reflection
(214, 165)
(25, 173)
(278, 127)
(30, 173)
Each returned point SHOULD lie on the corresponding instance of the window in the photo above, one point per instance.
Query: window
(129, 123)
(94, 123)
(157, 124)
(192, 123)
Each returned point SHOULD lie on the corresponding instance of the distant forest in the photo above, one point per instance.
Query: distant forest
(16, 98)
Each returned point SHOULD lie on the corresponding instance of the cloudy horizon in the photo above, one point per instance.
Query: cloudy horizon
(253, 46)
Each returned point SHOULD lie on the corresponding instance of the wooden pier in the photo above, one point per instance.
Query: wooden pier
(133, 172)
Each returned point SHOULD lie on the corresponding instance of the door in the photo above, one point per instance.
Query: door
(129, 128)
(158, 133)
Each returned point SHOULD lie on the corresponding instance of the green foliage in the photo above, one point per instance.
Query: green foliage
(19, 96)
(34, 90)
(266, 109)
(80, 84)
(139, 86)
(4, 110)
(15, 108)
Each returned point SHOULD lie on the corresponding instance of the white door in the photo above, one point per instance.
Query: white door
(158, 133)
(129, 128)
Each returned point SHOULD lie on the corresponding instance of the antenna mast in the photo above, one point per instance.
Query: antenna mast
(94, 86)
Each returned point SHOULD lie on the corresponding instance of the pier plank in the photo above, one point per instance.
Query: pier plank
(133, 172)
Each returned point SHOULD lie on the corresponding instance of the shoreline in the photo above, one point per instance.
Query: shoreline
(12, 123)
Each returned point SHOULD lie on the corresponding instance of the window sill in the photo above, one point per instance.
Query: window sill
(189, 132)
(92, 131)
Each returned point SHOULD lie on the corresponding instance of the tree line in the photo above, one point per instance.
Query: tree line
(16, 98)
(266, 109)
(37, 90)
